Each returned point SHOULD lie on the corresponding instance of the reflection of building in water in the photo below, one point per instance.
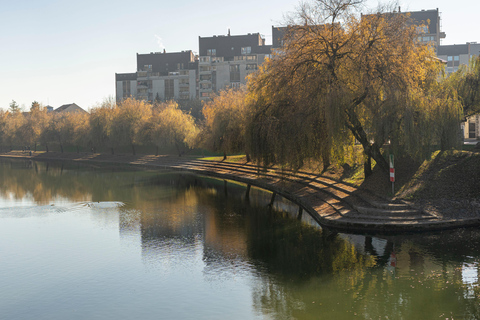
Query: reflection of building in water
(470, 272)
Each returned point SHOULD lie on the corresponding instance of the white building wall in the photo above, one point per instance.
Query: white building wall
(158, 86)
(223, 76)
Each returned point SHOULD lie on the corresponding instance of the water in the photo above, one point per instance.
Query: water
(85, 242)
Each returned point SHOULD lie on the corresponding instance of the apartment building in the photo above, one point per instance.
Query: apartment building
(226, 61)
(428, 26)
(160, 76)
(458, 54)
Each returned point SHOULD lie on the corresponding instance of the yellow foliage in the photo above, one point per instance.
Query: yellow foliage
(225, 121)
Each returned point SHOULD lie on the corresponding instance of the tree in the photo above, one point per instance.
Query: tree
(192, 107)
(170, 126)
(33, 127)
(467, 82)
(225, 122)
(80, 130)
(129, 118)
(35, 106)
(12, 129)
(14, 107)
(363, 77)
(3, 128)
(100, 124)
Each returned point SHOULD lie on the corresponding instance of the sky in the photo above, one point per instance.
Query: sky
(59, 52)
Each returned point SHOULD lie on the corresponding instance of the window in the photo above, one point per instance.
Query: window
(205, 77)
(204, 68)
(450, 58)
(246, 50)
(204, 59)
(235, 73)
(211, 52)
(251, 58)
(456, 58)
(251, 66)
(169, 89)
(422, 29)
(205, 85)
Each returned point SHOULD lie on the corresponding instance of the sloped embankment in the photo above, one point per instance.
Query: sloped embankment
(448, 184)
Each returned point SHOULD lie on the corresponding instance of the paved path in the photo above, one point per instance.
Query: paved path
(331, 203)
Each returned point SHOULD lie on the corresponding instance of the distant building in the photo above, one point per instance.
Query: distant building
(69, 108)
(428, 22)
(458, 54)
(163, 76)
(226, 61)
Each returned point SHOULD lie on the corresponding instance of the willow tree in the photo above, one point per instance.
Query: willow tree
(225, 122)
(12, 127)
(286, 126)
(81, 130)
(35, 123)
(361, 76)
(171, 126)
(467, 83)
(100, 124)
(129, 118)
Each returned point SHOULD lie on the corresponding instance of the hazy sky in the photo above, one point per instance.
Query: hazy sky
(58, 52)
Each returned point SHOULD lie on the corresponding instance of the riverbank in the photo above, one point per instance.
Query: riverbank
(443, 192)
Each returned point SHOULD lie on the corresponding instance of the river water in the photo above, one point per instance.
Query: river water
(93, 242)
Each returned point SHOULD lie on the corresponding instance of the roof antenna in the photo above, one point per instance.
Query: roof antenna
(229, 32)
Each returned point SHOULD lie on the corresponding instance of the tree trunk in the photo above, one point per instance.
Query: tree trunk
(178, 149)
(61, 148)
(372, 150)
(367, 166)
(35, 148)
(133, 149)
(46, 146)
(248, 157)
(78, 149)
(112, 151)
(156, 151)
(326, 159)
(224, 156)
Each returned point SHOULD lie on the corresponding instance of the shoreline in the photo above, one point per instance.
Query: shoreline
(337, 210)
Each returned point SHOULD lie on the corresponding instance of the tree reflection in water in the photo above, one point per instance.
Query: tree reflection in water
(297, 271)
